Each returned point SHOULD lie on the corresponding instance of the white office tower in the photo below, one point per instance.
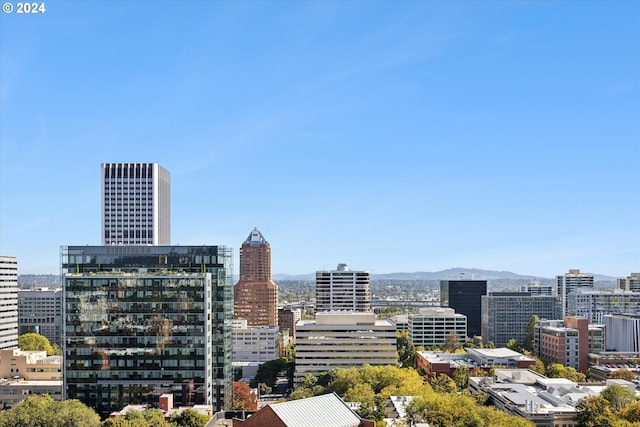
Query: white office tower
(8, 302)
(255, 344)
(430, 327)
(343, 340)
(631, 283)
(570, 282)
(343, 290)
(135, 204)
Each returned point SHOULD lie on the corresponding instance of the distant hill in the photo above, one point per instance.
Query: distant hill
(449, 274)
(52, 280)
(454, 274)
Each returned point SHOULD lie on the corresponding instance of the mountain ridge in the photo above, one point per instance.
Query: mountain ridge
(457, 273)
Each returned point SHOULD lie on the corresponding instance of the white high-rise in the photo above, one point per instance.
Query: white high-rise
(570, 282)
(8, 302)
(135, 204)
(631, 283)
(343, 290)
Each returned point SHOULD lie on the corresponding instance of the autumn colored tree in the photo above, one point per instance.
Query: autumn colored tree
(593, 412)
(622, 374)
(618, 396)
(452, 342)
(630, 412)
(243, 398)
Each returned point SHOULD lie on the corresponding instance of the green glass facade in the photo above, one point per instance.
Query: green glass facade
(144, 320)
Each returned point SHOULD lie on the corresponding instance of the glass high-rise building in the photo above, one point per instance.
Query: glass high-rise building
(135, 204)
(255, 294)
(143, 320)
(464, 296)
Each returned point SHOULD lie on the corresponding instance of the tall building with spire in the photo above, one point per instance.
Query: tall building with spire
(255, 294)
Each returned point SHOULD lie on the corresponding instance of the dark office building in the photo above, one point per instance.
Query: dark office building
(143, 320)
(465, 297)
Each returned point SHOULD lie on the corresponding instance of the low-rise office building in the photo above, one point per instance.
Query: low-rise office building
(431, 326)
(28, 372)
(343, 340)
(255, 344)
(547, 402)
(40, 311)
(436, 362)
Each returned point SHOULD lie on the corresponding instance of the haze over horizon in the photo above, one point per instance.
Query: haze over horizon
(392, 136)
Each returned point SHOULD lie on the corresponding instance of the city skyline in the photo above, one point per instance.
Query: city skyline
(391, 136)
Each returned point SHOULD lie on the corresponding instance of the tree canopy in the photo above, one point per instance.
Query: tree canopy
(36, 342)
(42, 410)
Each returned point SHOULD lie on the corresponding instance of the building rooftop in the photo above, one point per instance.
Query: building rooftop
(327, 410)
(501, 352)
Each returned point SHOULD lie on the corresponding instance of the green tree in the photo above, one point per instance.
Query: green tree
(406, 350)
(529, 339)
(308, 381)
(514, 345)
(461, 377)
(557, 370)
(301, 393)
(442, 384)
(189, 418)
(361, 392)
(618, 396)
(538, 366)
(42, 410)
(37, 342)
(268, 371)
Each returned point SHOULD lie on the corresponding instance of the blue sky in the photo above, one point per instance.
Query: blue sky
(393, 136)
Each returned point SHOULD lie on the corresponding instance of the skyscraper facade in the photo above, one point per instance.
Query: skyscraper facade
(464, 296)
(505, 315)
(343, 290)
(135, 204)
(40, 310)
(8, 302)
(142, 320)
(255, 294)
(571, 282)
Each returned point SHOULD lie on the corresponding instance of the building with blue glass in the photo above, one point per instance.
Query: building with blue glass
(140, 321)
